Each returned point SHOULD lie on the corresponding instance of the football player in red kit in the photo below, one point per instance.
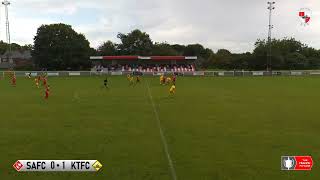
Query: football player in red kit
(44, 81)
(14, 80)
(174, 78)
(47, 93)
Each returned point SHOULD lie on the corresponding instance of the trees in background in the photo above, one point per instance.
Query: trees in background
(58, 47)
(164, 49)
(223, 59)
(202, 53)
(287, 53)
(14, 47)
(107, 48)
(135, 43)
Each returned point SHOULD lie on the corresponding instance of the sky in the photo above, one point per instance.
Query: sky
(230, 24)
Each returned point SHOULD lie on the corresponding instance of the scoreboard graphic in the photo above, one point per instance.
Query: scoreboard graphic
(57, 165)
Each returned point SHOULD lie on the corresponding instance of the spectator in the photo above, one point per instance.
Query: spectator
(148, 68)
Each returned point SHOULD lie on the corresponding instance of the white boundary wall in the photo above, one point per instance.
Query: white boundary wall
(196, 73)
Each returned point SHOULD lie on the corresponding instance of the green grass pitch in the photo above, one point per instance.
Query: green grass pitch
(215, 128)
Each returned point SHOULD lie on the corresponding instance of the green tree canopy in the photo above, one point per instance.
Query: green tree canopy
(223, 59)
(179, 48)
(14, 46)
(164, 49)
(135, 43)
(287, 53)
(58, 46)
(107, 48)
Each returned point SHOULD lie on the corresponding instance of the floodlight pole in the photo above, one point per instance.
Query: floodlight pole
(6, 3)
(269, 63)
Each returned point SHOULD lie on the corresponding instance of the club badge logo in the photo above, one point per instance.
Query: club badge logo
(17, 165)
(288, 163)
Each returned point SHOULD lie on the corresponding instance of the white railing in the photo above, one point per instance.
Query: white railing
(196, 73)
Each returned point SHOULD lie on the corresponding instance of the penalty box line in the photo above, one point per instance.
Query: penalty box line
(163, 138)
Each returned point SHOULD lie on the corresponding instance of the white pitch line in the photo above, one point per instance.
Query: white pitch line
(163, 138)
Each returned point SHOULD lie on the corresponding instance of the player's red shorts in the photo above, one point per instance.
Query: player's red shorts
(47, 95)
